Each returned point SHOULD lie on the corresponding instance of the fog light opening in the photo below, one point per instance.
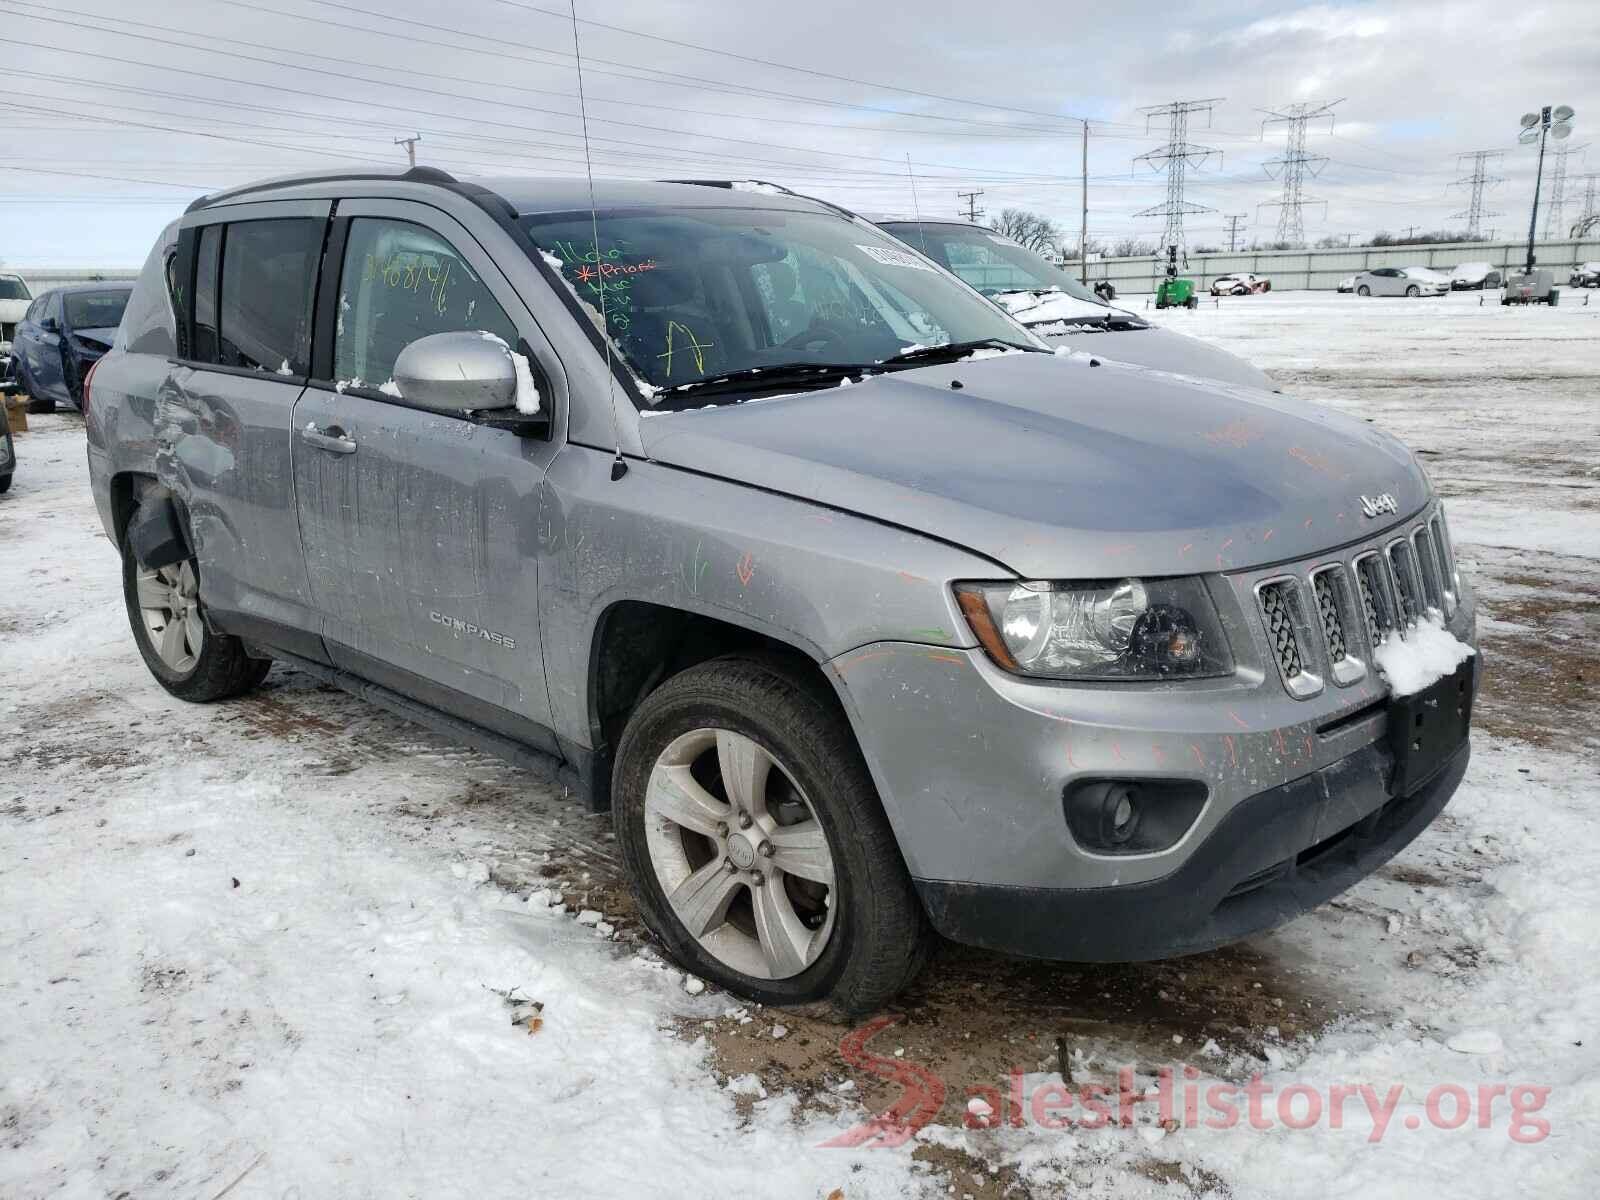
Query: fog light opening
(1121, 816)
(1131, 816)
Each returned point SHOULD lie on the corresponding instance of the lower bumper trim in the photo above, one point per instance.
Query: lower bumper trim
(1277, 855)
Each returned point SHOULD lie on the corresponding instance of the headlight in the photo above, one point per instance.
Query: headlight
(1127, 629)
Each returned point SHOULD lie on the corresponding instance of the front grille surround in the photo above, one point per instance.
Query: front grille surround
(1285, 611)
(1323, 620)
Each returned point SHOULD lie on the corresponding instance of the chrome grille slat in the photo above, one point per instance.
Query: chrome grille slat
(1428, 567)
(1403, 575)
(1372, 581)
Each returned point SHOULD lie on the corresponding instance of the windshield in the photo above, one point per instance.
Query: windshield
(94, 310)
(694, 294)
(989, 262)
(14, 289)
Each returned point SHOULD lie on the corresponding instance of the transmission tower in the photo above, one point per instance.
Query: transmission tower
(1555, 208)
(973, 212)
(1176, 158)
(1295, 164)
(1233, 220)
(1591, 206)
(1477, 179)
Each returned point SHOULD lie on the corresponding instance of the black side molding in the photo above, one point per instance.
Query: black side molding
(157, 535)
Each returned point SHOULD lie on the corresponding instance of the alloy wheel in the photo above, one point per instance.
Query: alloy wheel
(169, 603)
(739, 853)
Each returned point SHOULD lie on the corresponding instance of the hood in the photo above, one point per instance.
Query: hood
(103, 334)
(1166, 350)
(11, 311)
(1042, 308)
(1058, 469)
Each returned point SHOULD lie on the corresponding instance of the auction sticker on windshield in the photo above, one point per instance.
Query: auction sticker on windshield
(891, 257)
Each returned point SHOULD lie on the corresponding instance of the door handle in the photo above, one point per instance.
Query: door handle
(332, 439)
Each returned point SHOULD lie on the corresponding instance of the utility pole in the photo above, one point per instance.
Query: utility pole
(1411, 232)
(973, 211)
(1233, 220)
(410, 143)
(1548, 122)
(1176, 158)
(1083, 215)
(1556, 209)
(1295, 164)
(1477, 179)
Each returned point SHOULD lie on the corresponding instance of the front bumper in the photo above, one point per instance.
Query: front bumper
(1278, 854)
(973, 765)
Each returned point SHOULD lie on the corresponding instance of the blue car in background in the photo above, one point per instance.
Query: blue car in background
(63, 334)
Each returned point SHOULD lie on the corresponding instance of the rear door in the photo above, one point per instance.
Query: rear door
(223, 413)
(420, 529)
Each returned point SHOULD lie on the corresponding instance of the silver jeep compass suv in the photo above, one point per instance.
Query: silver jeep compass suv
(867, 615)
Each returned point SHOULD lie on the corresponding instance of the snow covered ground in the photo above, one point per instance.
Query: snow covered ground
(291, 947)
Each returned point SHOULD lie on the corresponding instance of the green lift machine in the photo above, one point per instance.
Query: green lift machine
(1173, 292)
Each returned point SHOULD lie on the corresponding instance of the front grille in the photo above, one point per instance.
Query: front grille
(1428, 568)
(8, 331)
(1277, 608)
(1408, 591)
(1326, 586)
(1374, 598)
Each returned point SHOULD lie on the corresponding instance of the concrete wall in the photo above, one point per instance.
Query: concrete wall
(1323, 269)
(42, 279)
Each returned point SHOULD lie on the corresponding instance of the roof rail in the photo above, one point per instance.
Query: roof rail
(431, 175)
(757, 184)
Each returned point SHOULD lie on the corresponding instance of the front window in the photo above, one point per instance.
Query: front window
(14, 289)
(992, 264)
(96, 310)
(694, 295)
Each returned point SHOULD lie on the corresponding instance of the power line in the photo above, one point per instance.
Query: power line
(1478, 179)
(1295, 163)
(1176, 158)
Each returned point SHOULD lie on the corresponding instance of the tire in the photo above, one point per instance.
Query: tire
(218, 669)
(1191, 302)
(1363, 290)
(5, 484)
(1413, 292)
(850, 951)
(1267, 286)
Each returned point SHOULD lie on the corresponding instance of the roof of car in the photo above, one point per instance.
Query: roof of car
(530, 195)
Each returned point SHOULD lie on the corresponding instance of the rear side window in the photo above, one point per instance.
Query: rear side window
(269, 276)
(207, 265)
(402, 282)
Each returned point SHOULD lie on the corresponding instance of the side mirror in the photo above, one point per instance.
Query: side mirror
(457, 373)
(49, 325)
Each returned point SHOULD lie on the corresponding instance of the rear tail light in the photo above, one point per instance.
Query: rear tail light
(87, 380)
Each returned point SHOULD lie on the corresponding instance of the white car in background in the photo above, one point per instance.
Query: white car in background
(14, 300)
(1347, 284)
(1241, 284)
(1474, 276)
(1585, 275)
(1401, 281)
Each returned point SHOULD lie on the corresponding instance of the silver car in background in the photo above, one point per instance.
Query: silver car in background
(1401, 281)
(1053, 304)
(867, 614)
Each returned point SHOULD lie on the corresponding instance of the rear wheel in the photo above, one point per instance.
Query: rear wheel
(190, 660)
(755, 844)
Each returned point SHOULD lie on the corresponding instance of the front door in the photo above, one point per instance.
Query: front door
(42, 348)
(420, 529)
(222, 414)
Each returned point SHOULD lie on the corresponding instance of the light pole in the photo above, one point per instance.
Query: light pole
(1539, 126)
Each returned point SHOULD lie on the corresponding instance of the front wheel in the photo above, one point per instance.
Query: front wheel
(5, 481)
(1363, 290)
(1413, 291)
(187, 658)
(755, 843)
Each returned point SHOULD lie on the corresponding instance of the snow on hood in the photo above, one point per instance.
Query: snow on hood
(1424, 656)
(1053, 466)
(1037, 308)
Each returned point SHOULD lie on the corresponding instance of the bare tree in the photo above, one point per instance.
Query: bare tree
(1038, 233)
(1129, 247)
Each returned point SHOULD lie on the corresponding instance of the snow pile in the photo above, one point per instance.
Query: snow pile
(1034, 308)
(527, 391)
(752, 185)
(1426, 655)
(390, 388)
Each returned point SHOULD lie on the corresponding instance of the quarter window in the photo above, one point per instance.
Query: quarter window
(402, 282)
(207, 265)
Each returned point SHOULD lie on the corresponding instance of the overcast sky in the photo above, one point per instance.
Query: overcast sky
(118, 112)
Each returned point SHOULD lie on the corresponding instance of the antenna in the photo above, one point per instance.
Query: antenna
(922, 234)
(619, 468)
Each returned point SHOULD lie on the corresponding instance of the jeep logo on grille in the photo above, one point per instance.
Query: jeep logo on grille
(1373, 506)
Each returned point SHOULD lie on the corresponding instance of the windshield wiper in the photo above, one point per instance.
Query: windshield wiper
(779, 375)
(953, 350)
